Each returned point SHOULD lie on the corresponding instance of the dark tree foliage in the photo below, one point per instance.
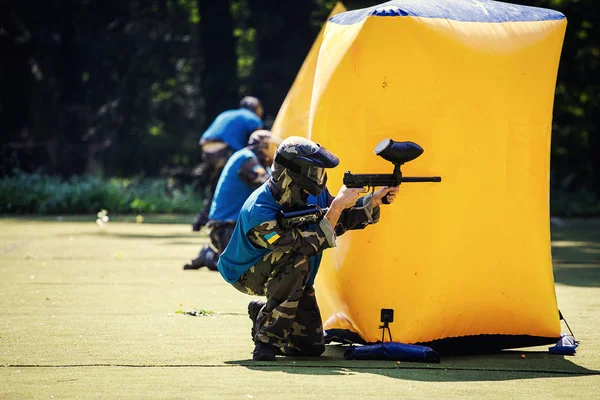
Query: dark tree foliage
(100, 86)
(284, 36)
(126, 87)
(575, 135)
(220, 84)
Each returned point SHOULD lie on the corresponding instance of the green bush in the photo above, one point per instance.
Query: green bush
(37, 193)
(42, 194)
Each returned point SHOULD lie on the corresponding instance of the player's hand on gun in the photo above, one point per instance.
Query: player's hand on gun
(347, 197)
(385, 195)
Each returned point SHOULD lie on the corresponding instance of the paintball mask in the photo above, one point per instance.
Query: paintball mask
(264, 144)
(306, 162)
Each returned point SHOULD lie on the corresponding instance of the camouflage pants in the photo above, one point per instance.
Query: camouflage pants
(290, 319)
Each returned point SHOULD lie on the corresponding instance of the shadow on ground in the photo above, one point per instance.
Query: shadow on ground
(576, 252)
(120, 235)
(577, 274)
(506, 365)
(183, 219)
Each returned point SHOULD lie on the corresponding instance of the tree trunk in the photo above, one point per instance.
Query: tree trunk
(218, 51)
(284, 36)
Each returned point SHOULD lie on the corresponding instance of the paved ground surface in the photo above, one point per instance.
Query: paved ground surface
(87, 312)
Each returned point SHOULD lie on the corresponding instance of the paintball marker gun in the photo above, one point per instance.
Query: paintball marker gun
(311, 214)
(397, 153)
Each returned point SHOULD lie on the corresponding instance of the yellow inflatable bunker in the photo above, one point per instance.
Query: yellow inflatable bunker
(464, 263)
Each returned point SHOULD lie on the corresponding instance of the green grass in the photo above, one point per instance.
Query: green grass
(87, 312)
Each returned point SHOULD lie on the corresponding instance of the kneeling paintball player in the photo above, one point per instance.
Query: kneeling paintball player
(266, 257)
(246, 170)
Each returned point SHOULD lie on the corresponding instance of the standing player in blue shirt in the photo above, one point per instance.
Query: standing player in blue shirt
(228, 133)
(246, 170)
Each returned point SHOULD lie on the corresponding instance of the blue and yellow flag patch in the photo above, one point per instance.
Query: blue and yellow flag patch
(272, 237)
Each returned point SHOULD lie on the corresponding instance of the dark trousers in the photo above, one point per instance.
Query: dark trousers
(220, 235)
(212, 166)
(290, 319)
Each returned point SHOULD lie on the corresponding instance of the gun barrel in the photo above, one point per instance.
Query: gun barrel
(421, 179)
(370, 180)
(374, 180)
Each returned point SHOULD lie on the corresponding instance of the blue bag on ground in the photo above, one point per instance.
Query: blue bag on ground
(392, 351)
(566, 346)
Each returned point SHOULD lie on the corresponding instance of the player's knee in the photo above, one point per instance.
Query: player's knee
(302, 263)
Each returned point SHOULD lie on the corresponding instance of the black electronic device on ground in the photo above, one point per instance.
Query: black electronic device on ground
(387, 316)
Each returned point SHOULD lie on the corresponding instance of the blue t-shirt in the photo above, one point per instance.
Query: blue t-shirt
(240, 254)
(233, 127)
(231, 191)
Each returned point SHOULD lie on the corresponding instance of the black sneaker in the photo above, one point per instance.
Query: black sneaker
(254, 308)
(205, 259)
(265, 352)
(196, 263)
(193, 265)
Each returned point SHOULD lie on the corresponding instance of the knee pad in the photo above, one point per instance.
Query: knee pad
(210, 258)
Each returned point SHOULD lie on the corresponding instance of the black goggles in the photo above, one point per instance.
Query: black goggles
(316, 174)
